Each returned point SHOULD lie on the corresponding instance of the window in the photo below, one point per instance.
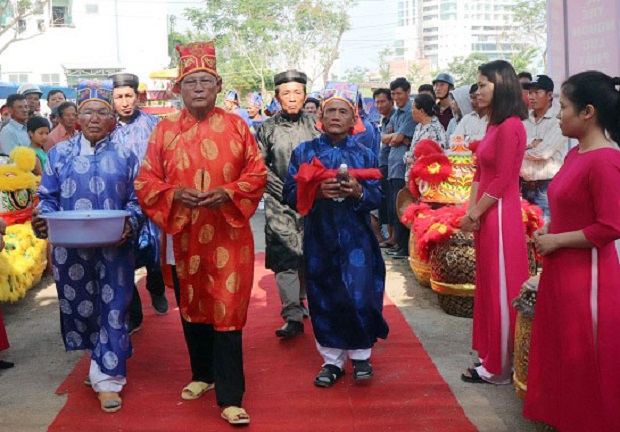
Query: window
(59, 16)
(92, 8)
(18, 78)
(50, 79)
(21, 26)
(61, 13)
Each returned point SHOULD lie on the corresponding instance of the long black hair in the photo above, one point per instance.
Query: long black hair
(507, 97)
(599, 90)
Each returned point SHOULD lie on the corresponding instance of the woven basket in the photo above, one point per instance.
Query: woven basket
(523, 333)
(525, 305)
(421, 269)
(453, 274)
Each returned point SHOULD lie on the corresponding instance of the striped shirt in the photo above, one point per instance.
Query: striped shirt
(545, 160)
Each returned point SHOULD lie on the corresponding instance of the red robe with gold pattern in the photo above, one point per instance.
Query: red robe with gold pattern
(213, 248)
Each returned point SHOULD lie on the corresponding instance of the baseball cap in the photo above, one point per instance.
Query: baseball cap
(542, 82)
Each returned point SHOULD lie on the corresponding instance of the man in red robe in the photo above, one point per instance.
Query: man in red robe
(201, 181)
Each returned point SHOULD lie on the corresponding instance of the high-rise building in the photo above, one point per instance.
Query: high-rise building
(439, 30)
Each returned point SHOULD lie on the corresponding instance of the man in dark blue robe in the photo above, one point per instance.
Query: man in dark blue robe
(345, 272)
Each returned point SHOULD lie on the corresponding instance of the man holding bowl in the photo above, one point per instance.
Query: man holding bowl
(90, 172)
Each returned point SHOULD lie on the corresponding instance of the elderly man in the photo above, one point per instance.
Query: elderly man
(67, 114)
(201, 181)
(133, 129)
(94, 284)
(277, 137)
(14, 133)
(546, 146)
(345, 272)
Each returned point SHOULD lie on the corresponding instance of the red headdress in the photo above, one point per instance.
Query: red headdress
(197, 56)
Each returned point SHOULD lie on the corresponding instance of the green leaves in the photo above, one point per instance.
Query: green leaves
(257, 38)
(465, 70)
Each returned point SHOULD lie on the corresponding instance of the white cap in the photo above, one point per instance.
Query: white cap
(29, 88)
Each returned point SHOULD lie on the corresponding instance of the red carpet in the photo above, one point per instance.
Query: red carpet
(406, 393)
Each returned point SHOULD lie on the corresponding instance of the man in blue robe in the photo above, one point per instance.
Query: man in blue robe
(232, 104)
(345, 273)
(133, 130)
(89, 171)
(253, 106)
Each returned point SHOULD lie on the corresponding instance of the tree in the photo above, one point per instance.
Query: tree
(384, 64)
(522, 60)
(256, 38)
(12, 14)
(465, 70)
(415, 75)
(356, 75)
(530, 17)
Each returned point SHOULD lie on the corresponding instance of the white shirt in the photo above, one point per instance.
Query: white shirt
(472, 127)
(86, 149)
(545, 160)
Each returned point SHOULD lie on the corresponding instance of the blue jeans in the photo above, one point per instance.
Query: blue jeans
(538, 197)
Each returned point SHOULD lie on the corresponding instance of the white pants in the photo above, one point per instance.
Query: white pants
(338, 357)
(101, 382)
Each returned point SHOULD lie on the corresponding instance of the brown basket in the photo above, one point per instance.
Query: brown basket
(453, 274)
(456, 306)
(421, 269)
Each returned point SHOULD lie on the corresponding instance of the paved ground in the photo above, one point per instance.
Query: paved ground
(28, 401)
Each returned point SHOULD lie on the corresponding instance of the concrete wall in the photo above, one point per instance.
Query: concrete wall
(123, 34)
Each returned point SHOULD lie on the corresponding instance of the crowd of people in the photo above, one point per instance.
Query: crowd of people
(329, 172)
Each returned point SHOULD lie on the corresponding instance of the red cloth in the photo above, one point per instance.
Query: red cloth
(574, 378)
(500, 155)
(274, 371)
(213, 247)
(311, 175)
(17, 217)
(4, 340)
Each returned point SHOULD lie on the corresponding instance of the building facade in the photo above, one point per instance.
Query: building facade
(65, 40)
(439, 30)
